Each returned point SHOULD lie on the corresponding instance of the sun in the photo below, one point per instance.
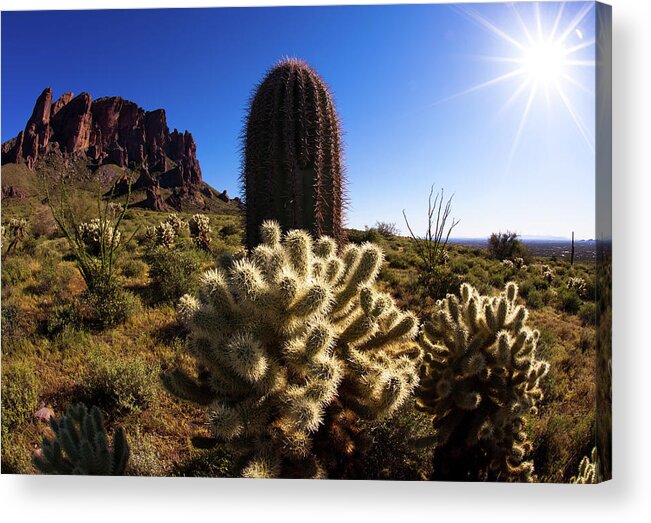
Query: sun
(543, 60)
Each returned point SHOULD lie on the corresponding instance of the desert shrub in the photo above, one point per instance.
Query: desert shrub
(54, 279)
(61, 317)
(15, 270)
(217, 462)
(385, 229)
(229, 230)
(125, 384)
(136, 269)
(294, 346)
(20, 393)
(567, 300)
(588, 313)
(391, 453)
(144, 457)
(11, 316)
(173, 273)
(535, 299)
(479, 381)
(107, 304)
(43, 224)
(397, 261)
(503, 245)
(437, 283)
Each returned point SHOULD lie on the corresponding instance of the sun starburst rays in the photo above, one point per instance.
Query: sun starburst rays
(544, 62)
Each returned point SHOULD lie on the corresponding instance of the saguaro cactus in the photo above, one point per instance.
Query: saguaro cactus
(293, 169)
(291, 336)
(80, 446)
(479, 379)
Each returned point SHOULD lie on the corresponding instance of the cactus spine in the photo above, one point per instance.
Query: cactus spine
(479, 379)
(289, 336)
(80, 446)
(293, 169)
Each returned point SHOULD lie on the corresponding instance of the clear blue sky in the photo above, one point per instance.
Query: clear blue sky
(394, 70)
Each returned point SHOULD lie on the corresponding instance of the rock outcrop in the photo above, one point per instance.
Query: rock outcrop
(111, 130)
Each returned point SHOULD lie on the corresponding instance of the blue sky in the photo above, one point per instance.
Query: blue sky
(403, 79)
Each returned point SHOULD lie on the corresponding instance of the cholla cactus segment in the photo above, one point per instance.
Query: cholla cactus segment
(115, 209)
(200, 230)
(284, 332)
(80, 446)
(97, 235)
(480, 377)
(176, 222)
(519, 263)
(508, 264)
(588, 470)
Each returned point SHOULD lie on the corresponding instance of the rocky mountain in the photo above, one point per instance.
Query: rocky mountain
(112, 130)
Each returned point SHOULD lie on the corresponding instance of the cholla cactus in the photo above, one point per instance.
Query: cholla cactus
(519, 264)
(480, 377)
(16, 230)
(588, 470)
(286, 334)
(114, 209)
(176, 223)
(98, 235)
(578, 284)
(548, 273)
(80, 446)
(508, 264)
(200, 230)
(162, 235)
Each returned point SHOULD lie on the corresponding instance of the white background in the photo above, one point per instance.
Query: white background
(626, 498)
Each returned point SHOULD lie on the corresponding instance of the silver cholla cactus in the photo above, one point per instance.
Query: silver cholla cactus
(479, 379)
(176, 223)
(94, 238)
(200, 230)
(284, 332)
(588, 470)
(579, 285)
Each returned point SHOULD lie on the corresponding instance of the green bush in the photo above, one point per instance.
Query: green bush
(535, 299)
(20, 392)
(108, 304)
(588, 313)
(173, 273)
(62, 317)
(15, 270)
(567, 300)
(124, 384)
(136, 269)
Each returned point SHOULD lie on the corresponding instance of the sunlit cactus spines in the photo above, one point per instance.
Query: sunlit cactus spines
(547, 273)
(176, 222)
(479, 379)
(285, 335)
(200, 230)
(97, 235)
(80, 446)
(588, 470)
(163, 235)
(292, 168)
(578, 284)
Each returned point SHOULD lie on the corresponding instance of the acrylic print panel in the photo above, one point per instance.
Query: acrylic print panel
(380, 250)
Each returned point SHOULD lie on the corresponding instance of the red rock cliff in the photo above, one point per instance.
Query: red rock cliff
(107, 130)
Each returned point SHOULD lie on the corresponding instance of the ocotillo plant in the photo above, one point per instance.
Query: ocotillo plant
(288, 337)
(479, 379)
(80, 446)
(292, 168)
